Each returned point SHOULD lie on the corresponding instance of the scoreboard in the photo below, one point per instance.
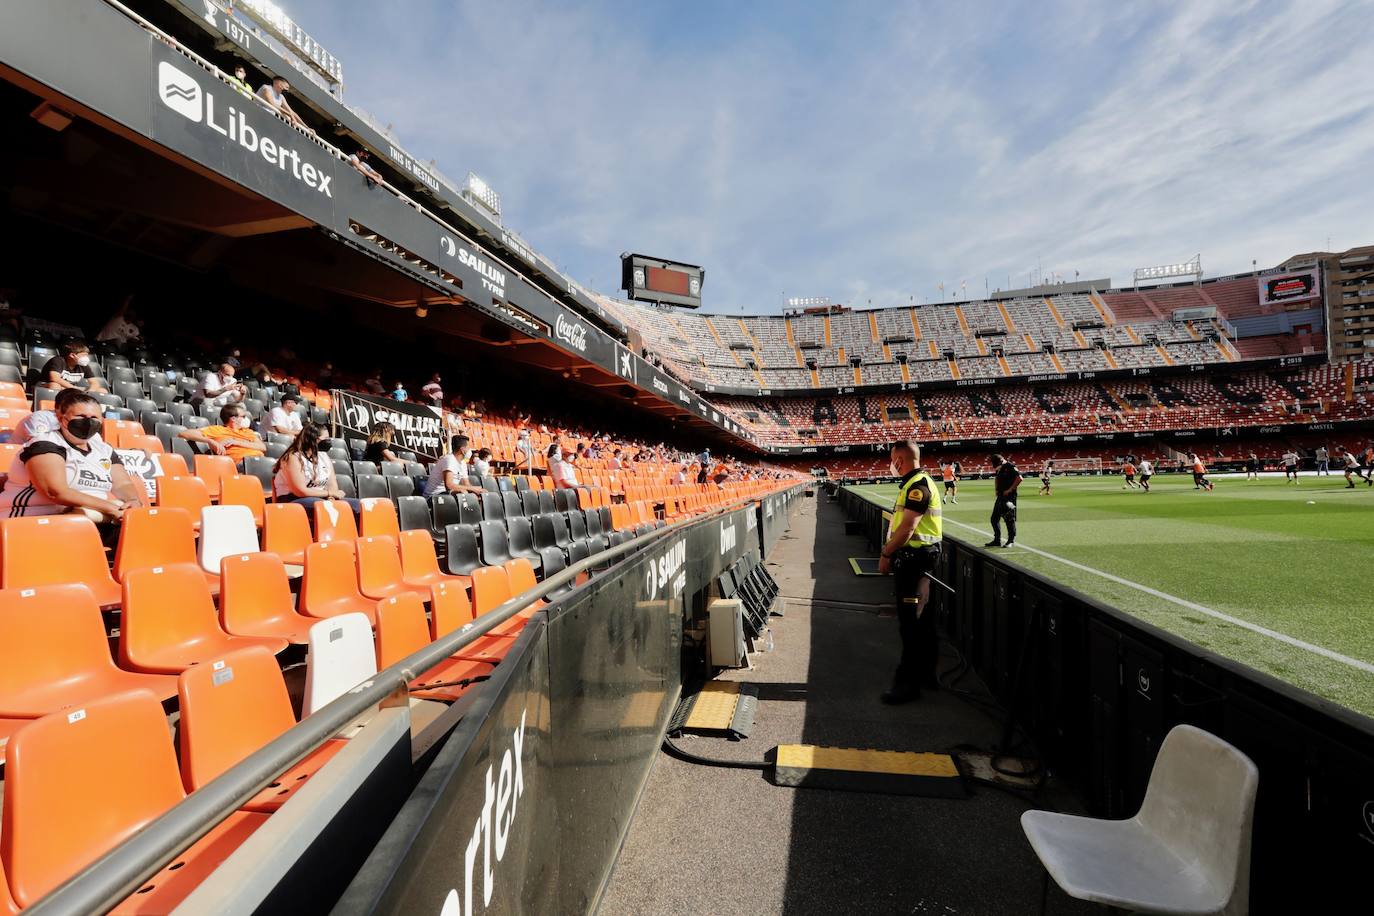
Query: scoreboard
(665, 282)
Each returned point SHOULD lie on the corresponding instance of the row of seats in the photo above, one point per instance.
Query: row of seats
(75, 706)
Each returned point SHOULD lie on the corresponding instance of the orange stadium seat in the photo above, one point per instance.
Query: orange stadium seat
(173, 465)
(56, 550)
(58, 818)
(256, 599)
(449, 607)
(213, 469)
(242, 490)
(420, 564)
(402, 630)
(231, 707)
(330, 587)
(170, 622)
(158, 537)
(189, 493)
(286, 532)
(334, 521)
(58, 655)
(378, 517)
(492, 587)
(379, 569)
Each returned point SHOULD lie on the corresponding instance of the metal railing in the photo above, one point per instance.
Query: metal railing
(109, 880)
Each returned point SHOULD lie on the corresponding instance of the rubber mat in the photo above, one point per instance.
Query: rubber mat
(805, 766)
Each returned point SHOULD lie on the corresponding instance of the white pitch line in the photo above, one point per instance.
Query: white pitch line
(1191, 605)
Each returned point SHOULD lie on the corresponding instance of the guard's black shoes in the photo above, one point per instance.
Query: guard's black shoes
(898, 695)
(993, 544)
(1008, 543)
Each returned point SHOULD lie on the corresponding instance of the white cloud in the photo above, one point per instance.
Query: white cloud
(873, 151)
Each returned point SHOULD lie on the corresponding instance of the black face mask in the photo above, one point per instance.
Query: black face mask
(84, 427)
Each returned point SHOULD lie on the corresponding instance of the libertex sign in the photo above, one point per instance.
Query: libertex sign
(239, 137)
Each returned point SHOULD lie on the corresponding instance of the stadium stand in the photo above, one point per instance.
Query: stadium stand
(1014, 338)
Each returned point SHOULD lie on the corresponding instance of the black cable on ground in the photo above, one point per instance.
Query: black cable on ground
(989, 705)
(672, 750)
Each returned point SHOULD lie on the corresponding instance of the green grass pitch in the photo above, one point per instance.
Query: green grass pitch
(1297, 560)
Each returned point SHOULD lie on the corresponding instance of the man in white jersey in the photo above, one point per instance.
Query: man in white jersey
(1147, 471)
(1290, 466)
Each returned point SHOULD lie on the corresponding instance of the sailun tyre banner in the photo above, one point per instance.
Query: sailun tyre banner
(419, 429)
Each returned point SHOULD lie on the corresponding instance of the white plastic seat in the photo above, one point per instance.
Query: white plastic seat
(226, 531)
(1186, 851)
(340, 655)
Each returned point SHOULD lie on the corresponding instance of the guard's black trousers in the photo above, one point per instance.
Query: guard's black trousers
(920, 640)
(1003, 511)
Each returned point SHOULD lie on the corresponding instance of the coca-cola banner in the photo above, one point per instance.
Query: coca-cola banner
(419, 429)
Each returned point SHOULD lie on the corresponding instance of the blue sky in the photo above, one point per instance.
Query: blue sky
(870, 151)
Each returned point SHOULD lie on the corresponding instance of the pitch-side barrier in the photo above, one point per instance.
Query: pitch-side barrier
(1097, 690)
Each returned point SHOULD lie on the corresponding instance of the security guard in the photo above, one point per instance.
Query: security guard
(912, 550)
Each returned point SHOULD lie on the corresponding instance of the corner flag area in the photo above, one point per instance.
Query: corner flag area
(1268, 573)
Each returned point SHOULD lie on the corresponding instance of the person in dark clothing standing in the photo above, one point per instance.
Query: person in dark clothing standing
(1006, 480)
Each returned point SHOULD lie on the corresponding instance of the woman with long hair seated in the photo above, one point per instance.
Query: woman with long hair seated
(305, 474)
(379, 444)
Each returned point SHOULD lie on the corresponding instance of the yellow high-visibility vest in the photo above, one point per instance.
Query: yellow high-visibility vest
(930, 526)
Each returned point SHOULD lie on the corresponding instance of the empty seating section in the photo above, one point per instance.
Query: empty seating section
(815, 348)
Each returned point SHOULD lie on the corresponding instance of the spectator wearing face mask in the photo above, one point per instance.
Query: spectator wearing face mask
(560, 469)
(450, 473)
(305, 474)
(42, 422)
(70, 369)
(219, 388)
(233, 437)
(71, 469)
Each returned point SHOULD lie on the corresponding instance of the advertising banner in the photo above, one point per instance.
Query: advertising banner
(201, 117)
(419, 429)
(479, 834)
(144, 467)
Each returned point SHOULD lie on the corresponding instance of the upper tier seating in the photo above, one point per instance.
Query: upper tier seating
(814, 349)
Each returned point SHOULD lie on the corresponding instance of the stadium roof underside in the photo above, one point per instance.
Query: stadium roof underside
(97, 183)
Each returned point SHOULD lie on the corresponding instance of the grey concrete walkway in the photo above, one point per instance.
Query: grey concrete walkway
(708, 840)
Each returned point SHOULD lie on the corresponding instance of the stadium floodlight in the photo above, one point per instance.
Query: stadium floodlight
(808, 302)
(479, 192)
(1192, 268)
(282, 27)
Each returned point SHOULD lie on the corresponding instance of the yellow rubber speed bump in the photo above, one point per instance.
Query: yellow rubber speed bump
(726, 707)
(863, 770)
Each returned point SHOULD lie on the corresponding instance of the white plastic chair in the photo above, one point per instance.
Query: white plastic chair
(340, 655)
(226, 531)
(1186, 851)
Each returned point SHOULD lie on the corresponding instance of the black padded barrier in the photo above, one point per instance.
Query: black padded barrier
(1102, 689)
